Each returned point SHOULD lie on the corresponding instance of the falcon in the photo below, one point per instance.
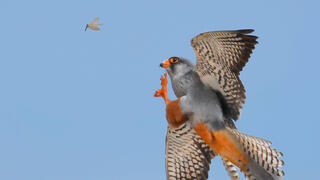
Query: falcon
(210, 96)
(93, 25)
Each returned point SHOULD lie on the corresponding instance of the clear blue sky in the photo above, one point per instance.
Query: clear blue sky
(78, 105)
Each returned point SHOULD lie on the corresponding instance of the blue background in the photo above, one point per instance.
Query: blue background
(79, 105)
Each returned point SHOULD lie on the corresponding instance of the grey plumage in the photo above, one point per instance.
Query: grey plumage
(182, 77)
(211, 92)
(256, 172)
(197, 99)
(204, 104)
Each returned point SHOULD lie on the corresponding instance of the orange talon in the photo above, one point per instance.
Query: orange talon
(164, 80)
(163, 91)
(158, 93)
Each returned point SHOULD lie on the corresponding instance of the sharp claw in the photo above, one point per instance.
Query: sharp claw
(157, 93)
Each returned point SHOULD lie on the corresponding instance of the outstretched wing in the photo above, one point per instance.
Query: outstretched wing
(96, 28)
(187, 156)
(94, 21)
(221, 55)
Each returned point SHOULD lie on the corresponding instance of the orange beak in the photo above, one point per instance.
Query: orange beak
(165, 64)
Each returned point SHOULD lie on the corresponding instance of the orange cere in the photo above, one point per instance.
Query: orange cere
(166, 63)
(223, 144)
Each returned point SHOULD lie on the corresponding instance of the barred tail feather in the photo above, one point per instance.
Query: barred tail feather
(256, 172)
(262, 157)
(231, 169)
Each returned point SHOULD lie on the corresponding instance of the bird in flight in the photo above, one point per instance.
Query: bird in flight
(210, 96)
(93, 25)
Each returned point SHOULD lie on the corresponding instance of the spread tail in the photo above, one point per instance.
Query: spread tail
(263, 161)
(254, 156)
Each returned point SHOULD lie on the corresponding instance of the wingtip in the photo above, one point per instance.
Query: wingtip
(248, 31)
(245, 31)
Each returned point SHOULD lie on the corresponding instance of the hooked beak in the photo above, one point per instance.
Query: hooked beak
(165, 64)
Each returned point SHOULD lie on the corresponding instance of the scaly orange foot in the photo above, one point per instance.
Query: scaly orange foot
(163, 91)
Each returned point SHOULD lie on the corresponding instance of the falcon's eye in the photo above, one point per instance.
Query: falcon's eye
(174, 60)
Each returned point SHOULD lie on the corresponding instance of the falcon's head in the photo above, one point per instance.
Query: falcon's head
(177, 66)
